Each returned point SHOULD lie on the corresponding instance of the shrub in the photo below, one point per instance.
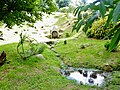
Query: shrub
(28, 47)
(97, 30)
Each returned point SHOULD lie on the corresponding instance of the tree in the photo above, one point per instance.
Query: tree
(84, 2)
(62, 3)
(18, 11)
(109, 8)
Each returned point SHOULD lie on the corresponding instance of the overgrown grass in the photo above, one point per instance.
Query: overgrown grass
(33, 73)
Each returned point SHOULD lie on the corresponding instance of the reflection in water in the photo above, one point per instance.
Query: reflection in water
(86, 77)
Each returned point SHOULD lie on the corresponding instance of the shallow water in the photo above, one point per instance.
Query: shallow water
(86, 76)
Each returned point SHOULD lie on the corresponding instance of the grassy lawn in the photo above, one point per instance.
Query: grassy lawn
(85, 52)
(39, 74)
(33, 73)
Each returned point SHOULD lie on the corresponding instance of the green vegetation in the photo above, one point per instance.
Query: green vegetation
(98, 31)
(32, 45)
(110, 8)
(87, 53)
(62, 3)
(33, 73)
(18, 11)
(44, 74)
(36, 73)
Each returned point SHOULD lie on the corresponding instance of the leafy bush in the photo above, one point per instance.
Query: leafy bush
(97, 30)
(28, 47)
(110, 8)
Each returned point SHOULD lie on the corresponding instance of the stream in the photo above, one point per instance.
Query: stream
(84, 76)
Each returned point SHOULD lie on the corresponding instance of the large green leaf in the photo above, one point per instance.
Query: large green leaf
(90, 21)
(115, 40)
(110, 16)
(108, 2)
(76, 10)
(74, 27)
(102, 9)
(116, 13)
(80, 23)
(85, 8)
(93, 6)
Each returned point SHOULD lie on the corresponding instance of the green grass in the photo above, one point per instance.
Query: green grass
(37, 74)
(93, 55)
(33, 73)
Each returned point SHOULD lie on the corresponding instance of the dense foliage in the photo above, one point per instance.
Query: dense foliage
(17, 11)
(97, 30)
(109, 8)
(62, 3)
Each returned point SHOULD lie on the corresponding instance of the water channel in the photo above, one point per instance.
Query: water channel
(84, 76)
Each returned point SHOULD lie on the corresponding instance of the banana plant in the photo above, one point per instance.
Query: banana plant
(109, 8)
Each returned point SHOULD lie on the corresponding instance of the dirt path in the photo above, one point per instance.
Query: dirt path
(39, 31)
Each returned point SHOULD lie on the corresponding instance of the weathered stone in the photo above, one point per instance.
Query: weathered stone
(58, 55)
(107, 68)
(85, 74)
(54, 34)
(40, 56)
(90, 81)
(93, 75)
(80, 71)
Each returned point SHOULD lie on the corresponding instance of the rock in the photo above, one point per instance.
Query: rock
(50, 42)
(85, 74)
(34, 32)
(40, 56)
(42, 26)
(93, 75)
(58, 55)
(65, 42)
(107, 68)
(68, 23)
(54, 34)
(100, 53)
(53, 50)
(82, 47)
(61, 30)
(16, 32)
(90, 80)
(87, 44)
(52, 46)
(2, 58)
(80, 71)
